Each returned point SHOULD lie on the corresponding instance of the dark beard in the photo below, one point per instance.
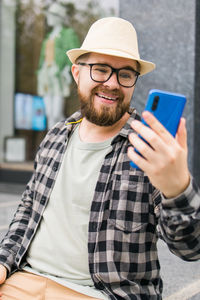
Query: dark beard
(105, 116)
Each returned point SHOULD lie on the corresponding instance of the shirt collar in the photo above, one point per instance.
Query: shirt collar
(124, 132)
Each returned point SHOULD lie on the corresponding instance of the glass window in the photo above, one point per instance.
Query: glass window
(36, 86)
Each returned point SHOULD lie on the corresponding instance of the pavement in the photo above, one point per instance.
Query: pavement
(181, 279)
(9, 197)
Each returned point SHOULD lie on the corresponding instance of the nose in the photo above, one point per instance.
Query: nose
(112, 82)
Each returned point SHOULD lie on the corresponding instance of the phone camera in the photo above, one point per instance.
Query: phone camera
(155, 103)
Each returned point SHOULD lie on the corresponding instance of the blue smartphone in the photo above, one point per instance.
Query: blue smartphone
(167, 108)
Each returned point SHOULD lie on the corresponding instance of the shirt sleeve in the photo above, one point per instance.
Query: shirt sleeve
(13, 239)
(179, 222)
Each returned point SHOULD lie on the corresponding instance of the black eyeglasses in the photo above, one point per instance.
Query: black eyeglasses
(126, 77)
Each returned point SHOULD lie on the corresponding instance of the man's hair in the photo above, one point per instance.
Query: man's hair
(138, 66)
(82, 57)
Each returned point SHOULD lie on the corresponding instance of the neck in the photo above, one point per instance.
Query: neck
(92, 133)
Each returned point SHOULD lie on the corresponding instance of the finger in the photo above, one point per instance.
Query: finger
(181, 135)
(137, 159)
(148, 135)
(157, 127)
(145, 150)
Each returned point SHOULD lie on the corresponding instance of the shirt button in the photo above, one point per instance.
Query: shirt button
(43, 200)
(100, 286)
(94, 226)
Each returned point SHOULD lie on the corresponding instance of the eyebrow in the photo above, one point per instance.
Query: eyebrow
(125, 67)
(129, 68)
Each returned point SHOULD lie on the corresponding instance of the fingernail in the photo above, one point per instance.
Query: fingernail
(146, 114)
(132, 135)
(135, 123)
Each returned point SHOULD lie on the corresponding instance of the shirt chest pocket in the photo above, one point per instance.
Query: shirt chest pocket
(130, 204)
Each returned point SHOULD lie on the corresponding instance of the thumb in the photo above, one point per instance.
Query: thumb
(3, 274)
(181, 135)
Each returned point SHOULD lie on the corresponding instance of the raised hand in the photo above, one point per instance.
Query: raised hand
(165, 160)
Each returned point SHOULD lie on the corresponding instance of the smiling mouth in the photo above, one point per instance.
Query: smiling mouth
(107, 97)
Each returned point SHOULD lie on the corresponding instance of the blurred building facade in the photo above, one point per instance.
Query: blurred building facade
(168, 34)
(24, 31)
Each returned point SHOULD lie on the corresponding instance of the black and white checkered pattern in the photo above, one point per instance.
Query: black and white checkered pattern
(127, 216)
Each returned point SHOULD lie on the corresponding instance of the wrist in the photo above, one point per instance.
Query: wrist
(179, 188)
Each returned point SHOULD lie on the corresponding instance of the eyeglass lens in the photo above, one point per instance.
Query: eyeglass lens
(102, 73)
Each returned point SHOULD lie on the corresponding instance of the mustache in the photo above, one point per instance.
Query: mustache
(105, 90)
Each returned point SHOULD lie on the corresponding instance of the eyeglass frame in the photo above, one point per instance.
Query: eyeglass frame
(114, 70)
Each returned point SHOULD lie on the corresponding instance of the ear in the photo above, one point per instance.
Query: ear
(75, 72)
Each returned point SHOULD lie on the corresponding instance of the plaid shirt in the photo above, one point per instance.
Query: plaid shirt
(126, 218)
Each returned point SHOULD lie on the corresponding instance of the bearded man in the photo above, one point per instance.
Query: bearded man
(88, 223)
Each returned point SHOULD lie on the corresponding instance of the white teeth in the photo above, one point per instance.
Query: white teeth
(106, 97)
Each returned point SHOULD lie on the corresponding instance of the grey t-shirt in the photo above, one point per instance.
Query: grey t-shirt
(59, 248)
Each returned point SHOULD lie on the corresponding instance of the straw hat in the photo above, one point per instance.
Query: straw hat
(112, 36)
